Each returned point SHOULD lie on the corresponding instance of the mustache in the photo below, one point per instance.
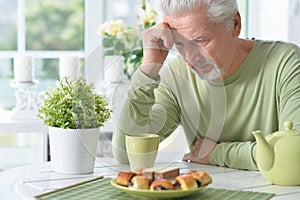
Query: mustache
(202, 64)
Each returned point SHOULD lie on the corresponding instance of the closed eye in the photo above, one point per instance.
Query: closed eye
(201, 41)
(179, 44)
(180, 48)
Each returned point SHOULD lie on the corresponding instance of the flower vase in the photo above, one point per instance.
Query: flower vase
(113, 68)
(131, 67)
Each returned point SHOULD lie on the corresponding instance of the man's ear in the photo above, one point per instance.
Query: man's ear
(236, 25)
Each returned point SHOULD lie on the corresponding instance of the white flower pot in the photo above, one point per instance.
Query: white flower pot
(73, 151)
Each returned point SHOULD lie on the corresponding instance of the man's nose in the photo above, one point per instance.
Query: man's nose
(194, 53)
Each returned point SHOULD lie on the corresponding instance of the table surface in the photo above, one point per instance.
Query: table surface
(27, 181)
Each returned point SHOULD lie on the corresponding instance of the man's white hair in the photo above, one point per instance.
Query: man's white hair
(220, 11)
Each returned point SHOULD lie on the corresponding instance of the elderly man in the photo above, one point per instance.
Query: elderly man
(219, 88)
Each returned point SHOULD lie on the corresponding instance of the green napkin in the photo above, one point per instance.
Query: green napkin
(98, 188)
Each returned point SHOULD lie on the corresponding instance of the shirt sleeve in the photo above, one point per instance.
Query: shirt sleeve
(289, 89)
(146, 110)
(240, 155)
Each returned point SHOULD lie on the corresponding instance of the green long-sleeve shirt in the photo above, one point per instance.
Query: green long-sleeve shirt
(262, 94)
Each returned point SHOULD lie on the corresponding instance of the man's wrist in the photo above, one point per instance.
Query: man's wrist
(151, 70)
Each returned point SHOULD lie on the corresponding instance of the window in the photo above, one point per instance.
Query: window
(8, 21)
(243, 8)
(123, 9)
(45, 29)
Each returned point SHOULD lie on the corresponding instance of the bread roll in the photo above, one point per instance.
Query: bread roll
(161, 184)
(139, 182)
(186, 182)
(202, 178)
(124, 178)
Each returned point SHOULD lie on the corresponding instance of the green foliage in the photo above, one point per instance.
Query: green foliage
(54, 24)
(74, 105)
(113, 45)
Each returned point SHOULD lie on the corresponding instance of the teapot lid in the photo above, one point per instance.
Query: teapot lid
(288, 130)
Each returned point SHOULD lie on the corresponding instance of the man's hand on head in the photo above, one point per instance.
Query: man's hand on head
(157, 41)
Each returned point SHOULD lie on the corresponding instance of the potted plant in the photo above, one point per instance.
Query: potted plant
(74, 112)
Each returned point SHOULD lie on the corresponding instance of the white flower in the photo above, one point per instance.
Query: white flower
(114, 28)
(148, 18)
(102, 29)
(147, 14)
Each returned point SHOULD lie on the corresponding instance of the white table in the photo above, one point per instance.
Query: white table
(25, 182)
(8, 125)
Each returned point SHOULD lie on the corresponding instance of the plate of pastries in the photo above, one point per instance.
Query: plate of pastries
(165, 182)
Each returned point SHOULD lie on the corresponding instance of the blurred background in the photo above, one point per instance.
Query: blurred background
(47, 29)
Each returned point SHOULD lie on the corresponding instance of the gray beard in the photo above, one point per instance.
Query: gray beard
(214, 74)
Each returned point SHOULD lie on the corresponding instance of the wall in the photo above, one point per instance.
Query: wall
(274, 20)
(294, 21)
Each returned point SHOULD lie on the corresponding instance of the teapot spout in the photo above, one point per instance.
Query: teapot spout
(264, 151)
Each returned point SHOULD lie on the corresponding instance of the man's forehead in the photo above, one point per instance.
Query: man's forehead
(195, 35)
(192, 30)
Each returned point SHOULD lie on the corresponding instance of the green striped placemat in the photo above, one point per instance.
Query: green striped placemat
(100, 188)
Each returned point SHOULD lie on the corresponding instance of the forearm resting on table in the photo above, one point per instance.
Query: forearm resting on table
(240, 155)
